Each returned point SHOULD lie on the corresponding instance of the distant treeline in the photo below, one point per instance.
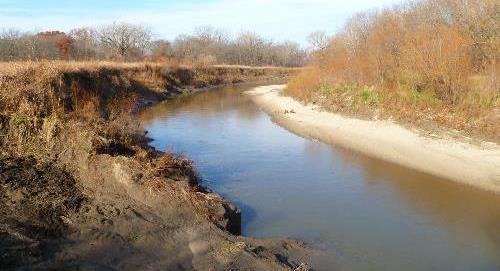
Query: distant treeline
(128, 42)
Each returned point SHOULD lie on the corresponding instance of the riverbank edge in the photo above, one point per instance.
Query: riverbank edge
(128, 174)
(473, 165)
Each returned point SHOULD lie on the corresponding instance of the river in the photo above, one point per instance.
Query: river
(357, 213)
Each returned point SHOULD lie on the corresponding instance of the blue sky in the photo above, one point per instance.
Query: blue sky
(277, 19)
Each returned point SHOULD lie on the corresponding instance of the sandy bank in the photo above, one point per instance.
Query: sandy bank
(473, 165)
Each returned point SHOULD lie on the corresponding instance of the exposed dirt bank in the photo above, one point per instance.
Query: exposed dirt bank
(476, 165)
(81, 189)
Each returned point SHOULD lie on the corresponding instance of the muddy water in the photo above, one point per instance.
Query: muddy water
(357, 213)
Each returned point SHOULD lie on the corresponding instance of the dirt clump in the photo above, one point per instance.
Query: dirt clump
(34, 201)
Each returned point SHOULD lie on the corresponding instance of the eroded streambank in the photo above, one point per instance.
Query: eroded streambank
(81, 188)
(476, 165)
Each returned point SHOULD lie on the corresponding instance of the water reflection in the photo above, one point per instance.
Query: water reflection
(361, 212)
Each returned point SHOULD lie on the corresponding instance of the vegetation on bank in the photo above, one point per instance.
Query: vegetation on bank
(431, 63)
(36, 95)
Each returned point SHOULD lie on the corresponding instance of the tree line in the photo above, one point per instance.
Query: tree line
(129, 42)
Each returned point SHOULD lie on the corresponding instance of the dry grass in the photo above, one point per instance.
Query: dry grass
(100, 95)
(34, 88)
(11, 68)
(40, 88)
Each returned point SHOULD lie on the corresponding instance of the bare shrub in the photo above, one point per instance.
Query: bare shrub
(304, 84)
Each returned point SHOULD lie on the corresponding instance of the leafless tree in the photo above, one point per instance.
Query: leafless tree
(319, 40)
(250, 48)
(161, 50)
(9, 44)
(124, 38)
(87, 44)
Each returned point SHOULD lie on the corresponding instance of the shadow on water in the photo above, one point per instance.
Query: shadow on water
(471, 214)
(359, 213)
(250, 214)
